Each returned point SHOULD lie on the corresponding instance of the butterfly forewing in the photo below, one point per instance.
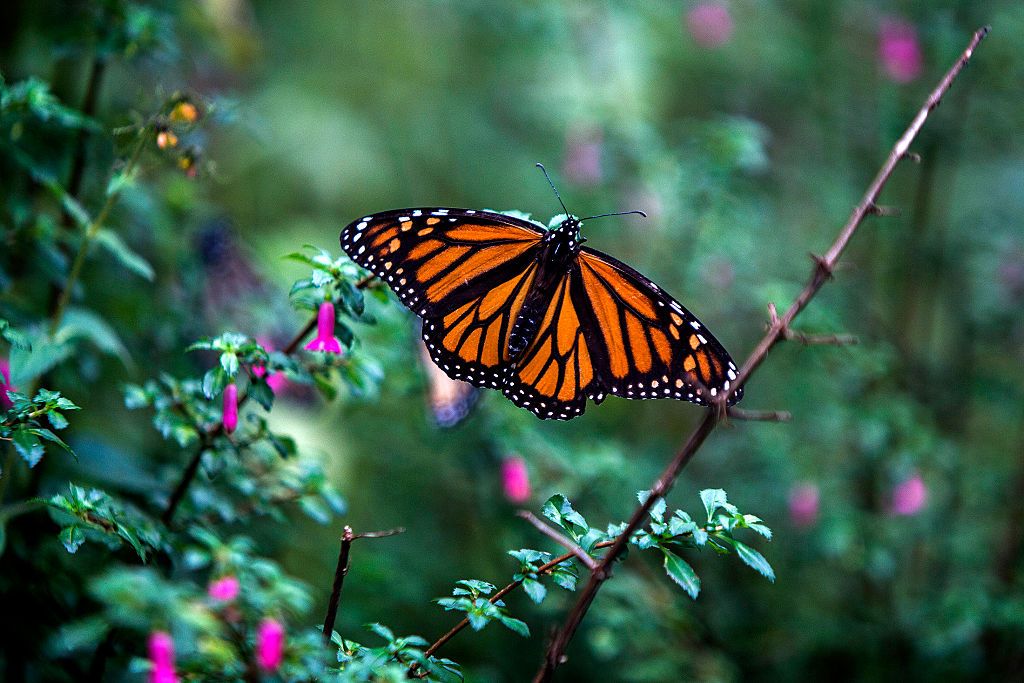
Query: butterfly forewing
(435, 258)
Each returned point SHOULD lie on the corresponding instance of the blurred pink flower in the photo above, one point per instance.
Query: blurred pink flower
(161, 656)
(224, 589)
(804, 501)
(270, 644)
(899, 50)
(325, 339)
(710, 24)
(582, 161)
(230, 412)
(909, 496)
(515, 480)
(5, 384)
(277, 380)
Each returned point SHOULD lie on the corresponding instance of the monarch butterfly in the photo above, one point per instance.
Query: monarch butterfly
(550, 323)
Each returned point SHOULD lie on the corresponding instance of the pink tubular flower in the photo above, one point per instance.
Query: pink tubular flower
(5, 384)
(804, 501)
(224, 589)
(515, 480)
(270, 644)
(899, 50)
(710, 24)
(230, 419)
(909, 496)
(276, 380)
(325, 339)
(161, 656)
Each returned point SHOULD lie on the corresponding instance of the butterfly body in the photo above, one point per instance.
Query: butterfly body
(536, 315)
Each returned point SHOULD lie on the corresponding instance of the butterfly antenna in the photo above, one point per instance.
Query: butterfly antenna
(619, 213)
(553, 188)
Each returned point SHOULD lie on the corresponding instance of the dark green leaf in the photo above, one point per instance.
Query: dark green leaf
(112, 242)
(680, 571)
(535, 590)
(754, 559)
(28, 446)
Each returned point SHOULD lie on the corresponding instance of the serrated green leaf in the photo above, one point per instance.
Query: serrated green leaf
(515, 625)
(229, 362)
(680, 571)
(754, 559)
(80, 323)
(28, 446)
(261, 392)
(477, 620)
(50, 436)
(712, 499)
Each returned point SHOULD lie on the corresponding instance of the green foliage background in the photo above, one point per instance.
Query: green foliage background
(747, 156)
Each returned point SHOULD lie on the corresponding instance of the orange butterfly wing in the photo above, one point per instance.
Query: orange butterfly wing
(645, 344)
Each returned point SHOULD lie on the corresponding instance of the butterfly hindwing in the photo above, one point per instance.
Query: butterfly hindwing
(645, 343)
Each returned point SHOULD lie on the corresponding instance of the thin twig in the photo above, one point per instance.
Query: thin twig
(186, 480)
(341, 571)
(823, 269)
(558, 538)
(90, 235)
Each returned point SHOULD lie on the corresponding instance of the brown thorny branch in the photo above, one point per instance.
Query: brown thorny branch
(779, 329)
(207, 434)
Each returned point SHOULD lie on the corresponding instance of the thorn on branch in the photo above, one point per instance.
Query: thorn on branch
(558, 538)
(823, 265)
(884, 211)
(760, 415)
(911, 156)
(789, 334)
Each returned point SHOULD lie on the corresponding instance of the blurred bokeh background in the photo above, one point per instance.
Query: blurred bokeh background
(747, 131)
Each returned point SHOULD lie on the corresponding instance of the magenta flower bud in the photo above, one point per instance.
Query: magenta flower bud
(5, 384)
(803, 504)
(224, 589)
(325, 339)
(161, 657)
(270, 644)
(515, 480)
(230, 419)
(909, 496)
(275, 380)
(710, 24)
(899, 50)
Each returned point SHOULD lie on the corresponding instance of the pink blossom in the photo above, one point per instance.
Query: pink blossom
(899, 50)
(325, 339)
(804, 500)
(710, 24)
(515, 480)
(582, 161)
(270, 644)
(161, 657)
(224, 589)
(909, 496)
(276, 380)
(230, 419)
(5, 384)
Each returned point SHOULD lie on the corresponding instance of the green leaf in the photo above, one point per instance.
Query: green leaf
(754, 559)
(28, 446)
(261, 392)
(680, 571)
(477, 620)
(712, 499)
(535, 590)
(28, 363)
(515, 625)
(82, 323)
(50, 436)
(115, 246)
(229, 361)
(72, 537)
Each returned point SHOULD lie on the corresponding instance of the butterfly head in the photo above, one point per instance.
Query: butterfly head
(569, 230)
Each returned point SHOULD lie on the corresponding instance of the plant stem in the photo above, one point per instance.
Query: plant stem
(340, 572)
(822, 271)
(90, 235)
